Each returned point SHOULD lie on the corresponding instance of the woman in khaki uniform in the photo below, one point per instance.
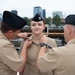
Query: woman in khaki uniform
(60, 59)
(37, 27)
(10, 61)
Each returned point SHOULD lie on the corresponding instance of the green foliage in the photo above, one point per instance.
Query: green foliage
(57, 20)
(28, 20)
(47, 21)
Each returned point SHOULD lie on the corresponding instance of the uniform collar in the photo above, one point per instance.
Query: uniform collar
(2, 36)
(71, 41)
(31, 37)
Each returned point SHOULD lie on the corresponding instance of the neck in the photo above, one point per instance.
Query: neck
(71, 38)
(37, 37)
(7, 36)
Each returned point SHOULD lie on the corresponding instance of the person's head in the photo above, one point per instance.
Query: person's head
(69, 28)
(11, 24)
(37, 24)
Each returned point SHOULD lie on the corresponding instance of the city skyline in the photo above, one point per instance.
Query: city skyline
(25, 7)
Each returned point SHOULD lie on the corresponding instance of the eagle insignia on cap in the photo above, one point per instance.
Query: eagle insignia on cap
(39, 18)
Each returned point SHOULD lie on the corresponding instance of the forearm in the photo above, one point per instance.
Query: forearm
(41, 53)
(23, 53)
(21, 73)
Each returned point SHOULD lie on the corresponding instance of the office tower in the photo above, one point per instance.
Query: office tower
(44, 13)
(59, 13)
(36, 10)
(39, 10)
(0, 16)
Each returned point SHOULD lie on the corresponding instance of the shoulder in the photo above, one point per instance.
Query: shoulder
(60, 50)
(52, 42)
(5, 43)
(51, 39)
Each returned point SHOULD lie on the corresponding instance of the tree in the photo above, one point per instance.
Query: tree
(57, 20)
(27, 20)
(47, 20)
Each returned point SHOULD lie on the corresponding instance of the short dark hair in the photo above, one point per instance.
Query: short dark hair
(5, 28)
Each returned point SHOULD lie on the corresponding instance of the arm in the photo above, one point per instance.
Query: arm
(11, 58)
(46, 61)
(43, 48)
(23, 35)
(27, 43)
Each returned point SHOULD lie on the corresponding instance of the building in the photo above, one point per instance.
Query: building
(36, 10)
(59, 13)
(0, 16)
(39, 10)
(43, 13)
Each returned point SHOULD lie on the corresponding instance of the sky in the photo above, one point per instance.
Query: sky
(25, 7)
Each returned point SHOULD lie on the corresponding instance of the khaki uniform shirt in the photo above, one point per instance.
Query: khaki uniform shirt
(32, 53)
(59, 59)
(10, 61)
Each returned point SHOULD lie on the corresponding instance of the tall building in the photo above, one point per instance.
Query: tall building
(59, 13)
(44, 13)
(39, 10)
(0, 16)
(14, 11)
(36, 10)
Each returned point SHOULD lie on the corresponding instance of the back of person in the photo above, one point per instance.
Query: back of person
(71, 61)
(10, 61)
(65, 58)
(4, 69)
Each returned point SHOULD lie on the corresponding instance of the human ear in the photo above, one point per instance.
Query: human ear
(10, 32)
(69, 29)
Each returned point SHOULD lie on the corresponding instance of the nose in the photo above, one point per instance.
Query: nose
(36, 26)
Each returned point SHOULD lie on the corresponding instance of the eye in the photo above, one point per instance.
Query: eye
(33, 24)
(39, 24)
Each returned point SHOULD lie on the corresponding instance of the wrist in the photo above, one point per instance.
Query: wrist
(46, 45)
(43, 45)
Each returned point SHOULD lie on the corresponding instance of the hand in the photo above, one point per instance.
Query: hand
(27, 43)
(23, 35)
(44, 40)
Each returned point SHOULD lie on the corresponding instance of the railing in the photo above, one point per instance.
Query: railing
(52, 34)
(59, 41)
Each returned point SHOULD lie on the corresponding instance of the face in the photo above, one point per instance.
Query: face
(37, 27)
(12, 34)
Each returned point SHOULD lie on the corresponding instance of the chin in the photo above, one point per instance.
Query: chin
(36, 33)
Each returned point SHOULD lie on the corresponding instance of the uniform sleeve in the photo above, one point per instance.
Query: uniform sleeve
(21, 46)
(10, 57)
(48, 61)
